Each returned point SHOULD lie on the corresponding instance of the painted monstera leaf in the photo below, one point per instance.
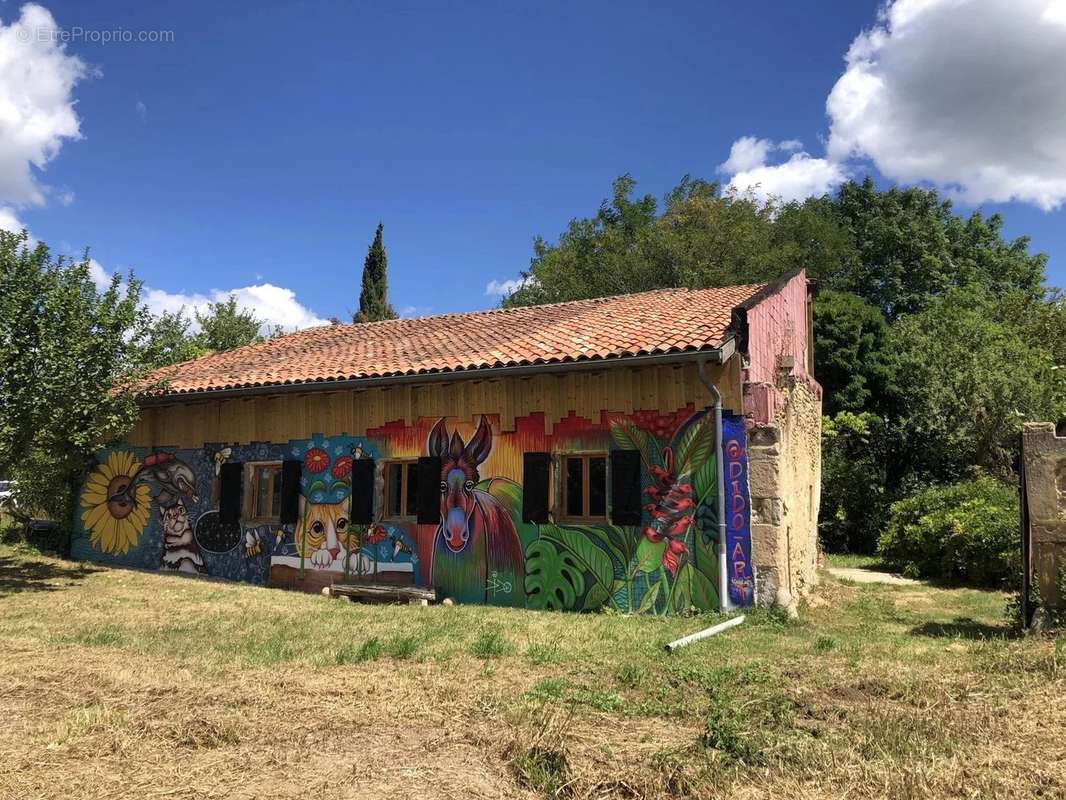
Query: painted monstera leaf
(591, 557)
(554, 579)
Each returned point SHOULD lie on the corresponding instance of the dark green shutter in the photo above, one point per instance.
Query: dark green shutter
(362, 512)
(625, 487)
(290, 491)
(535, 481)
(231, 479)
(429, 490)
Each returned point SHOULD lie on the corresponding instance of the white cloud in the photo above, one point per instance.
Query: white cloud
(37, 77)
(9, 221)
(142, 110)
(747, 153)
(275, 305)
(496, 288)
(967, 95)
(796, 178)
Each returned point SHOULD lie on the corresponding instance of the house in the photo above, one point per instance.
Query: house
(563, 456)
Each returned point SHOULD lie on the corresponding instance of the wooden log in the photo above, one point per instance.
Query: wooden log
(383, 592)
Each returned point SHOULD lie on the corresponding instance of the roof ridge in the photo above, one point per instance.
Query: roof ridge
(514, 309)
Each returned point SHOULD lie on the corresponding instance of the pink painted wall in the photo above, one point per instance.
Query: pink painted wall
(778, 328)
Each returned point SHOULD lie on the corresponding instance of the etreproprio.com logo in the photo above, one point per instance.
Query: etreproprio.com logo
(93, 35)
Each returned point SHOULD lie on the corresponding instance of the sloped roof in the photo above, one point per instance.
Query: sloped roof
(648, 323)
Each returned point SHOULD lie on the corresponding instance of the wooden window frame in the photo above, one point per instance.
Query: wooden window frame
(251, 490)
(408, 464)
(560, 474)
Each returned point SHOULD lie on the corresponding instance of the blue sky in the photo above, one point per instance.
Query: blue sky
(265, 142)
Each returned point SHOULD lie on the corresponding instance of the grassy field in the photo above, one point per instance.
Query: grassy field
(127, 684)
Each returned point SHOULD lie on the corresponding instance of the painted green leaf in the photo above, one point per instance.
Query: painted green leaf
(679, 598)
(584, 550)
(705, 479)
(647, 602)
(506, 491)
(697, 446)
(704, 594)
(607, 542)
(681, 451)
(509, 495)
(553, 580)
(597, 596)
(693, 588)
(620, 596)
(649, 555)
(629, 437)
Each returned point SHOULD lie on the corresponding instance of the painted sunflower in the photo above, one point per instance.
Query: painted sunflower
(115, 514)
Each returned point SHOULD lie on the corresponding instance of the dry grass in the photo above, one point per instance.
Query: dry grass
(126, 684)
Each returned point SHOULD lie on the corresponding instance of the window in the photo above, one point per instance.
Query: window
(585, 487)
(263, 491)
(401, 489)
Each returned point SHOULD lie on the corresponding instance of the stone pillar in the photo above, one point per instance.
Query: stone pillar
(1045, 483)
(784, 475)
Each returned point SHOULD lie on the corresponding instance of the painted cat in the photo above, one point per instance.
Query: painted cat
(323, 534)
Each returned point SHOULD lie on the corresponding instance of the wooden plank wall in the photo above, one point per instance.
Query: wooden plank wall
(292, 415)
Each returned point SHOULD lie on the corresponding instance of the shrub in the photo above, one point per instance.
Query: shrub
(967, 531)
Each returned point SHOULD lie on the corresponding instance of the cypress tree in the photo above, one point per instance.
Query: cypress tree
(374, 298)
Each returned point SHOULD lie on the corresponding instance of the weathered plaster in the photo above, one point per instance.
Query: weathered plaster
(785, 465)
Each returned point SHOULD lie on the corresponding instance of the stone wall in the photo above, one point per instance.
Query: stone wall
(785, 463)
(1045, 481)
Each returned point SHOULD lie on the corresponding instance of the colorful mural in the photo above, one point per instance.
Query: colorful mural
(477, 555)
(738, 509)
(159, 509)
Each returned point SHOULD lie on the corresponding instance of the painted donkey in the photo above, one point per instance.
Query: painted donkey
(477, 555)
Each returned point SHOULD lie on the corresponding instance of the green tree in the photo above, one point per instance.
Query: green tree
(224, 326)
(911, 248)
(967, 378)
(374, 298)
(168, 341)
(68, 359)
(849, 351)
(854, 500)
(701, 238)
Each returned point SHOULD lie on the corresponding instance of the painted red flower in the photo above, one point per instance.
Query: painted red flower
(341, 467)
(316, 460)
(672, 555)
(375, 534)
(672, 509)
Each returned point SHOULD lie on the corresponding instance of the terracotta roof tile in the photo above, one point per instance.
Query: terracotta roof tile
(649, 323)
